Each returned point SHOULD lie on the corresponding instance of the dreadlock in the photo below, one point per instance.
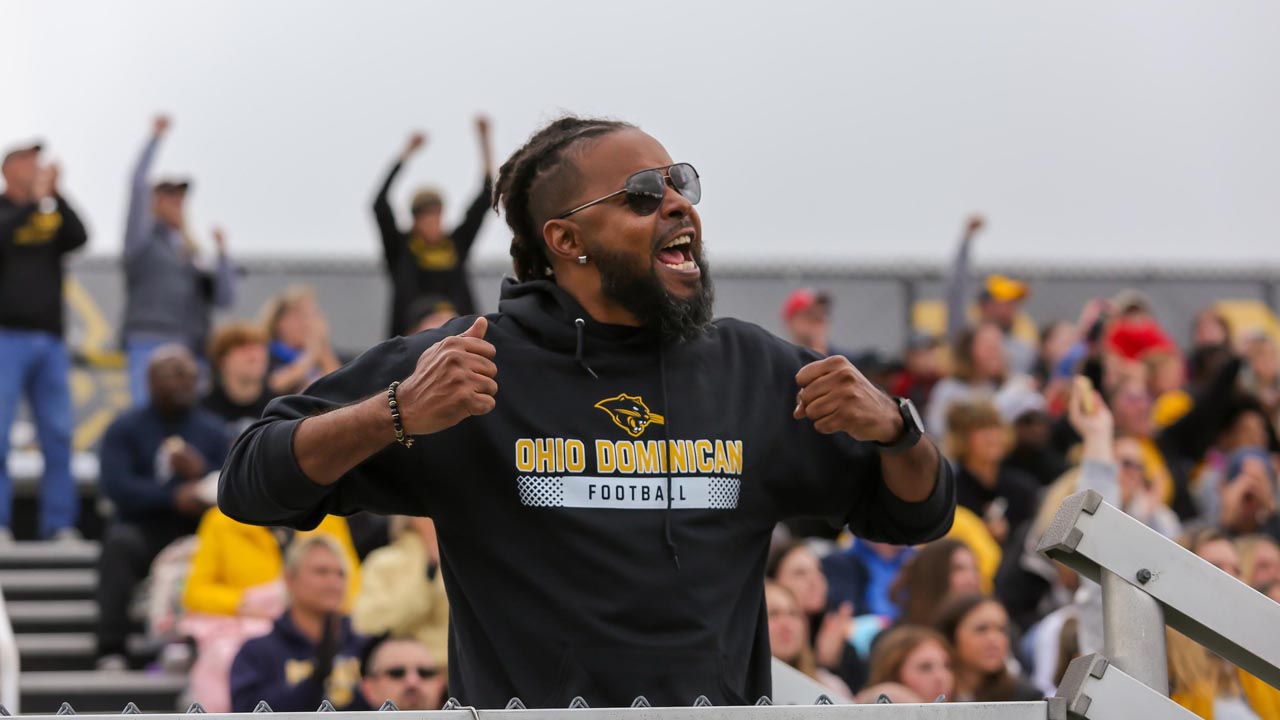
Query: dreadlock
(542, 156)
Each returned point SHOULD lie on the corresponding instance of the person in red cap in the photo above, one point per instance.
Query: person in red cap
(37, 229)
(806, 314)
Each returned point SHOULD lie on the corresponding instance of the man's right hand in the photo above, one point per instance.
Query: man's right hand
(454, 379)
(188, 463)
(45, 183)
(416, 140)
(974, 224)
(160, 125)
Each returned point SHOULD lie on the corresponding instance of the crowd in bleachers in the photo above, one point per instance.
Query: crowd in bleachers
(1182, 438)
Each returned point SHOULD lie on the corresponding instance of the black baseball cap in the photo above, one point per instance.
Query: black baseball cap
(172, 185)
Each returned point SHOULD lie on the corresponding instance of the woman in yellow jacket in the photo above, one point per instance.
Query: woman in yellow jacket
(403, 591)
(235, 591)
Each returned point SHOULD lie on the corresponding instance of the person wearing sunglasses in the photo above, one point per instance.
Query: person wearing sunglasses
(603, 518)
(402, 670)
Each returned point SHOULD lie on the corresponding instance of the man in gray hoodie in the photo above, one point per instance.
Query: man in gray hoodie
(170, 288)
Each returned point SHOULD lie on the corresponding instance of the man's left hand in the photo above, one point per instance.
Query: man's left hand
(836, 396)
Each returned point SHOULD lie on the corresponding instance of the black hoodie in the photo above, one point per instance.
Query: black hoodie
(575, 565)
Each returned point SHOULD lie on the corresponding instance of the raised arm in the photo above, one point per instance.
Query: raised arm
(958, 281)
(464, 235)
(486, 144)
(283, 470)
(382, 212)
(139, 222)
(71, 233)
(224, 273)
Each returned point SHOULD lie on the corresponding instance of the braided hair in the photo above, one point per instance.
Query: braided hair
(542, 157)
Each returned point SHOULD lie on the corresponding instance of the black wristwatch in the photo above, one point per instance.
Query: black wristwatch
(912, 429)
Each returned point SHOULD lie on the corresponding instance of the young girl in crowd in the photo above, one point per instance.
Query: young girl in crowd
(939, 569)
(794, 566)
(981, 372)
(789, 638)
(977, 627)
(918, 658)
(1259, 560)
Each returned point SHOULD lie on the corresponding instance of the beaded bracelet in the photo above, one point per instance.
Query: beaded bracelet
(405, 440)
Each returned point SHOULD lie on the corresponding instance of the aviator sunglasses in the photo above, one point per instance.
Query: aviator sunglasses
(399, 672)
(645, 189)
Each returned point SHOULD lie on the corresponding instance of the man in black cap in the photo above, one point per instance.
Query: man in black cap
(426, 260)
(37, 227)
(171, 287)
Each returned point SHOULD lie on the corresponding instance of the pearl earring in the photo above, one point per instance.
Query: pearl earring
(582, 259)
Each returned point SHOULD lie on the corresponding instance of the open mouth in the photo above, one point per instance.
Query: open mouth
(677, 254)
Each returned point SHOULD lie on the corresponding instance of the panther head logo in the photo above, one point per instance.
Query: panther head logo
(630, 413)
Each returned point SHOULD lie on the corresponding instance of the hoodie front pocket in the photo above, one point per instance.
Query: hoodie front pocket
(615, 677)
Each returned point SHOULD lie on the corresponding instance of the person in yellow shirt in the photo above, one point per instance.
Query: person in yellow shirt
(403, 591)
(235, 591)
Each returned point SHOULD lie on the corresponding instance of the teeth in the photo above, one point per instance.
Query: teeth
(682, 240)
(686, 265)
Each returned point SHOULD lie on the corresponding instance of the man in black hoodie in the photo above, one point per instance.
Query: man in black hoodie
(604, 519)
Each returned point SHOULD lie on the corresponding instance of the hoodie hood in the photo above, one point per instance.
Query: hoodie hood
(550, 316)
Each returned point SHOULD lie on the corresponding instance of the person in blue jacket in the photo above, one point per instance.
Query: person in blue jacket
(153, 461)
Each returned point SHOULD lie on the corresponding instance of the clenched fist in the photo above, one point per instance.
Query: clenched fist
(454, 379)
(836, 396)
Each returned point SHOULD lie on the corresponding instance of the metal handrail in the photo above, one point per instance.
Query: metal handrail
(1148, 582)
(1104, 544)
(10, 664)
(1041, 710)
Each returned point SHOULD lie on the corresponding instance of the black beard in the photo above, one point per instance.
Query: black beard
(642, 293)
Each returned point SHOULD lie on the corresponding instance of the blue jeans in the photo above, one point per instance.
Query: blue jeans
(35, 364)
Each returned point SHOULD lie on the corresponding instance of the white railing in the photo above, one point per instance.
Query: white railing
(10, 665)
(1147, 581)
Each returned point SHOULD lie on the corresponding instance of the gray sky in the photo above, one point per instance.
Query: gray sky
(857, 130)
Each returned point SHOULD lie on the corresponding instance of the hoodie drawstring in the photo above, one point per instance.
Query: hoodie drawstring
(578, 353)
(666, 462)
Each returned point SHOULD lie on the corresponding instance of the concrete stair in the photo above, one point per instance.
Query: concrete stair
(49, 588)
